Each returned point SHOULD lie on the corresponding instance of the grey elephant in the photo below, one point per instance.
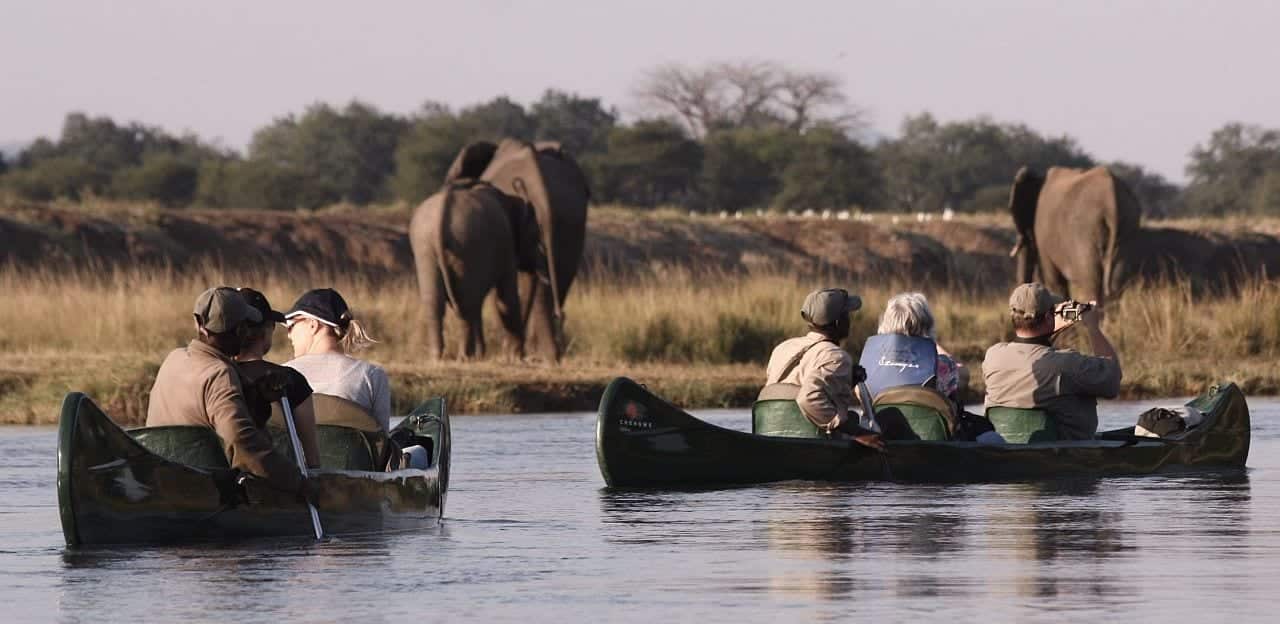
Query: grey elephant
(550, 181)
(469, 239)
(1074, 226)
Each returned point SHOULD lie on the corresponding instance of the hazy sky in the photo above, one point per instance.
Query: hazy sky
(1138, 81)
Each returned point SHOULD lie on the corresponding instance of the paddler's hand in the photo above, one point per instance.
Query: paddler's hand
(859, 375)
(870, 440)
(309, 492)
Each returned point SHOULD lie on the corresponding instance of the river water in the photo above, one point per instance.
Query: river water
(531, 534)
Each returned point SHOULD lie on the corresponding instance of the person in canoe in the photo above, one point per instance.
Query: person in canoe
(198, 385)
(265, 382)
(1030, 373)
(323, 333)
(905, 350)
(815, 371)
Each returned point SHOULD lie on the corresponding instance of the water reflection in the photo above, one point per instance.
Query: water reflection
(283, 576)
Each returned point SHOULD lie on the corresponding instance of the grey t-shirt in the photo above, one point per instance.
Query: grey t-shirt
(343, 376)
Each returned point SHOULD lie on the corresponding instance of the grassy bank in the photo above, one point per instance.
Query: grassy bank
(700, 339)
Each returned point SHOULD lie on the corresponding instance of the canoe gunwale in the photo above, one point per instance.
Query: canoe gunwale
(665, 446)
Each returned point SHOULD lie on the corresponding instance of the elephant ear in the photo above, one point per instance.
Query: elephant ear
(471, 161)
(556, 188)
(1023, 196)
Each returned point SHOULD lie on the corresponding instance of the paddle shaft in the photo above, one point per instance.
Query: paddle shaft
(302, 461)
(868, 410)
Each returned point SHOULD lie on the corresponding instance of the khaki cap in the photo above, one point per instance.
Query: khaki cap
(826, 306)
(222, 309)
(1032, 300)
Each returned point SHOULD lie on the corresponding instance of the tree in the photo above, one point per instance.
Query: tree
(1159, 197)
(963, 165)
(497, 119)
(1234, 171)
(424, 155)
(828, 170)
(581, 125)
(338, 155)
(729, 96)
(741, 168)
(646, 164)
(164, 178)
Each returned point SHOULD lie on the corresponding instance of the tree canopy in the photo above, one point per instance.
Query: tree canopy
(721, 136)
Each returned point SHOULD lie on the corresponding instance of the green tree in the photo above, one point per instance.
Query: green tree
(581, 125)
(1159, 197)
(646, 164)
(425, 153)
(497, 119)
(741, 168)
(164, 178)
(960, 165)
(828, 170)
(333, 155)
(1234, 171)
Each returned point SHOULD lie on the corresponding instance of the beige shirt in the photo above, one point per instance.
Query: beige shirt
(1062, 382)
(824, 374)
(198, 385)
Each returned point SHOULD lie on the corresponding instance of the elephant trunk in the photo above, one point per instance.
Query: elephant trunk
(1024, 254)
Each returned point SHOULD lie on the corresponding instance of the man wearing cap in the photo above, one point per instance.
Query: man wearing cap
(198, 385)
(821, 370)
(1030, 373)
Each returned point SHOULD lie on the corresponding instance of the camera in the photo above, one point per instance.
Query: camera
(1073, 310)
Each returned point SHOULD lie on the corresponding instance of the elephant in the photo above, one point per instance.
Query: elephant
(1073, 228)
(470, 238)
(553, 184)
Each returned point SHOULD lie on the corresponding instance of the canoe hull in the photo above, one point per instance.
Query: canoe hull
(112, 490)
(643, 441)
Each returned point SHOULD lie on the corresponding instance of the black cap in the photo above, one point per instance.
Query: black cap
(259, 302)
(324, 305)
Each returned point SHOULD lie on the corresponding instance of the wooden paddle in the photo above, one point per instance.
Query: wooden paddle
(302, 460)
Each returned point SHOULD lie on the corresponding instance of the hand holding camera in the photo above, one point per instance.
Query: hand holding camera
(1071, 312)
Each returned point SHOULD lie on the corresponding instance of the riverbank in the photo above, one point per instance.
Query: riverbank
(698, 338)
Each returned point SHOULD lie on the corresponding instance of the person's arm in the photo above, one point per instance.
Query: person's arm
(248, 448)
(1097, 340)
(826, 377)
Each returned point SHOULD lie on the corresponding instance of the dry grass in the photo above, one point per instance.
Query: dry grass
(699, 339)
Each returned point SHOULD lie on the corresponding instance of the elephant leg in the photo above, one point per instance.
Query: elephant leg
(431, 292)
(510, 313)
(473, 332)
(1053, 279)
(540, 332)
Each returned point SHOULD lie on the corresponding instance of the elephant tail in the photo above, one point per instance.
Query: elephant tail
(441, 237)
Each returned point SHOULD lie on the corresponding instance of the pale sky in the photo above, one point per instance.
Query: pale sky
(1135, 81)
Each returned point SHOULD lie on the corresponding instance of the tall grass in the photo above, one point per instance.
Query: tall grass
(107, 331)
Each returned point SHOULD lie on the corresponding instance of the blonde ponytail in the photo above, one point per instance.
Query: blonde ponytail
(355, 339)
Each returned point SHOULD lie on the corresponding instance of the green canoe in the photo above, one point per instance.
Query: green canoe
(113, 489)
(643, 441)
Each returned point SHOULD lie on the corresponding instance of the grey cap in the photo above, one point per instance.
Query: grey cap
(1031, 300)
(826, 306)
(222, 309)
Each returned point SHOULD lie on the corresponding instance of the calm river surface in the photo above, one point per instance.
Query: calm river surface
(531, 534)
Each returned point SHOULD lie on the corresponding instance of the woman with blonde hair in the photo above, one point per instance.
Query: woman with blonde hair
(324, 334)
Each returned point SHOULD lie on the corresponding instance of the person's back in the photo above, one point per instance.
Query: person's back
(198, 386)
(323, 332)
(816, 372)
(341, 375)
(1029, 373)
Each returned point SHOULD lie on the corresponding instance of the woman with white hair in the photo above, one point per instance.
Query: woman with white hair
(905, 350)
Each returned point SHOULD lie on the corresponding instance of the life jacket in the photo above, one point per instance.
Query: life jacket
(898, 360)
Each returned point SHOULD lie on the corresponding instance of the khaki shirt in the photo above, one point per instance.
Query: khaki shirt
(824, 374)
(1062, 382)
(198, 385)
